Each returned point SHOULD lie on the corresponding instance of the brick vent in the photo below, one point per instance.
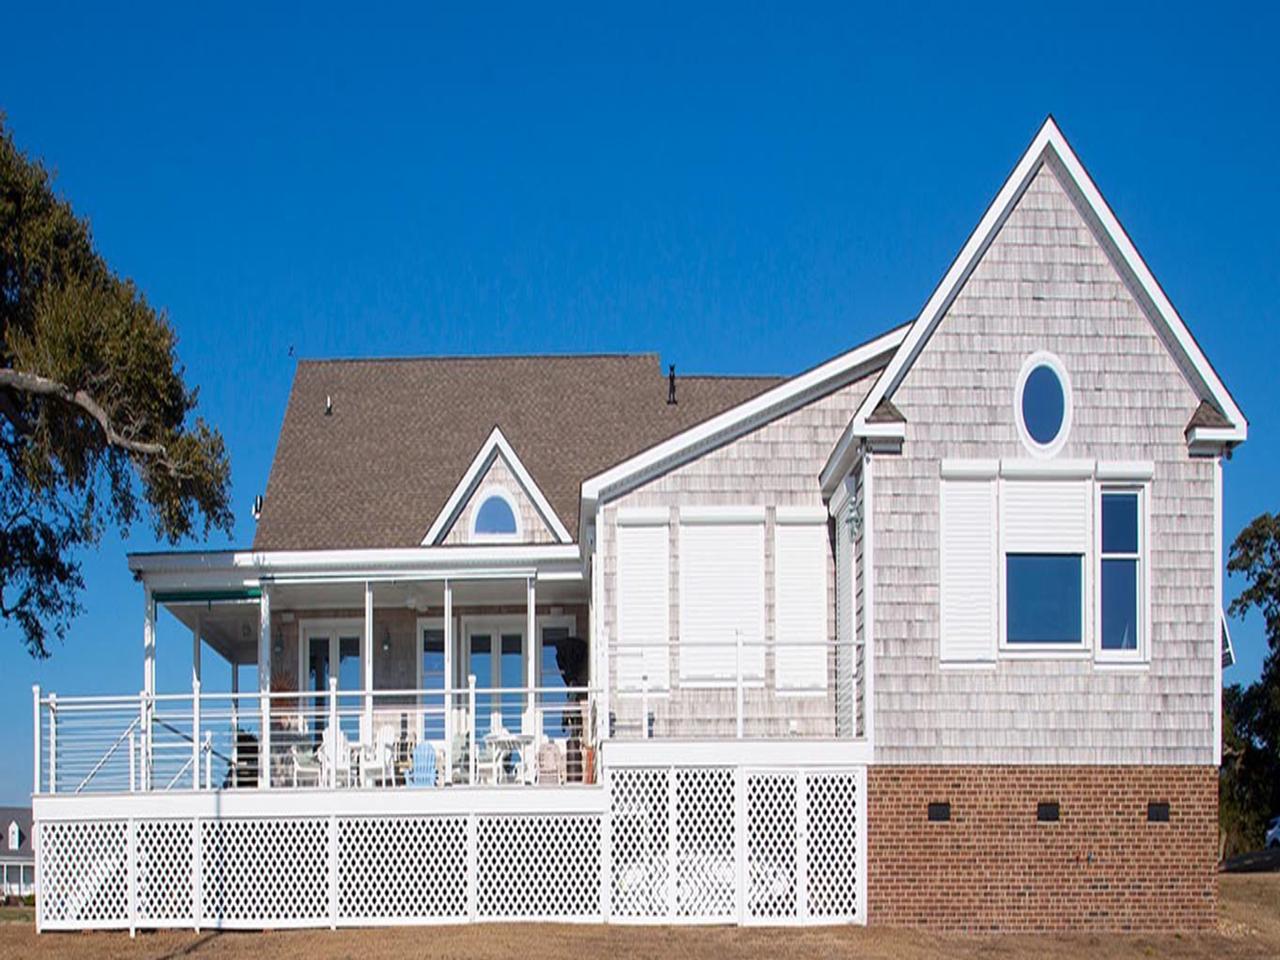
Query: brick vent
(1102, 866)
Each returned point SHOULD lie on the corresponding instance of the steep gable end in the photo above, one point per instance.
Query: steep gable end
(1050, 165)
(496, 500)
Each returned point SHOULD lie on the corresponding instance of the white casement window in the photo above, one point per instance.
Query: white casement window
(969, 576)
(644, 601)
(1122, 574)
(721, 595)
(1044, 538)
(800, 551)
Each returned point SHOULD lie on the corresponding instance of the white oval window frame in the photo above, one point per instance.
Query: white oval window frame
(483, 497)
(1043, 358)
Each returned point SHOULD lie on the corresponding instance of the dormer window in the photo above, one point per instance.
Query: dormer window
(15, 836)
(496, 517)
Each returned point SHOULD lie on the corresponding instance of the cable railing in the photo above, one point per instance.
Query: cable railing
(331, 738)
(736, 688)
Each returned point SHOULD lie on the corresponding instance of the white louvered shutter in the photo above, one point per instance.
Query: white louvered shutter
(1045, 516)
(800, 605)
(644, 605)
(969, 571)
(721, 599)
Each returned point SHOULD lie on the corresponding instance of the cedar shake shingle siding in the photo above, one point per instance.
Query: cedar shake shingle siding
(377, 471)
(1045, 283)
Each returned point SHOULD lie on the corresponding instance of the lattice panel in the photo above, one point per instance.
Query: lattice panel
(772, 846)
(164, 863)
(640, 842)
(706, 826)
(832, 811)
(83, 873)
(265, 869)
(538, 866)
(402, 868)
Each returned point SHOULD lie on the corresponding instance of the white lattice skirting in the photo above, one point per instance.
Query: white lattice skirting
(654, 844)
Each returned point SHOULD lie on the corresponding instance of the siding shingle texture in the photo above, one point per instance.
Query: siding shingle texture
(1045, 284)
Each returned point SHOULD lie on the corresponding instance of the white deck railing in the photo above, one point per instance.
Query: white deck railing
(384, 738)
(697, 689)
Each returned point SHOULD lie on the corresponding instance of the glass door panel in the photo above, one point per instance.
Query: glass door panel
(349, 680)
(554, 700)
(480, 665)
(511, 679)
(433, 680)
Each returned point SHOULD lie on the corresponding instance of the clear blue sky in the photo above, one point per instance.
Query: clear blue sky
(742, 189)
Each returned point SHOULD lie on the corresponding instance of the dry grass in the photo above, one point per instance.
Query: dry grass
(1249, 928)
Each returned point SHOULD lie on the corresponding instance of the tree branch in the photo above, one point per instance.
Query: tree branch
(36, 385)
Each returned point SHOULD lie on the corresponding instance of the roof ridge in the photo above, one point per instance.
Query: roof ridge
(454, 357)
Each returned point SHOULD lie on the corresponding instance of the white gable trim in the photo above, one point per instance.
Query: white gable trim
(1050, 142)
(497, 444)
(734, 422)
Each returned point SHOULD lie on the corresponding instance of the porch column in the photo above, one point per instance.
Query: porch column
(531, 632)
(367, 659)
(264, 687)
(450, 703)
(148, 642)
(197, 634)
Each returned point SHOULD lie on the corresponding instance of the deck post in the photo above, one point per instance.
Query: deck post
(195, 731)
(737, 636)
(264, 688)
(53, 743)
(333, 733)
(35, 729)
(148, 641)
(474, 747)
(367, 658)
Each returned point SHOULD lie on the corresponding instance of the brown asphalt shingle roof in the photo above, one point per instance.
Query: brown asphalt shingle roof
(378, 470)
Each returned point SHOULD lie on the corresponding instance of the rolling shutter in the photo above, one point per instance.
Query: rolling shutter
(1045, 516)
(969, 571)
(800, 604)
(644, 606)
(721, 597)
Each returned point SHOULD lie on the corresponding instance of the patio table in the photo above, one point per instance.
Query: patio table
(501, 745)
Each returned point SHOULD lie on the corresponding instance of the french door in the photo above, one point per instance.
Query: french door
(331, 648)
(494, 650)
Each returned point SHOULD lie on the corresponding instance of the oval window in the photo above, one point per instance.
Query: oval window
(1043, 403)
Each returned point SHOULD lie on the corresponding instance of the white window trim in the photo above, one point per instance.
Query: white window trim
(1139, 658)
(483, 496)
(1043, 358)
(1045, 651)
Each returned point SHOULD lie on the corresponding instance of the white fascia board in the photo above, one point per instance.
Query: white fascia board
(769, 405)
(225, 568)
(466, 486)
(1048, 141)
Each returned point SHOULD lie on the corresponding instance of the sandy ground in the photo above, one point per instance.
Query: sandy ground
(1249, 927)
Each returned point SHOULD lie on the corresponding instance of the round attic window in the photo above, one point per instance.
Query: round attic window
(1042, 403)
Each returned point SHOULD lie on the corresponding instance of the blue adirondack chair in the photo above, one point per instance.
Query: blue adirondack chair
(423, 773)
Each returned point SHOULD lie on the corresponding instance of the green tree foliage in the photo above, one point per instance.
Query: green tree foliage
(1249, 786)
(97, 426)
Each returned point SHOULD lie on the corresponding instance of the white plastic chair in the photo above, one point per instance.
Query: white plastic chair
(335, 758)
(376, 758)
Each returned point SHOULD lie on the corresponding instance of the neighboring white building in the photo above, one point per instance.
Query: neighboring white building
(17, 854)
(927, 634)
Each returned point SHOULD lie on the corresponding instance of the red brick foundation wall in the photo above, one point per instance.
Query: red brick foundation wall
(1103, 866)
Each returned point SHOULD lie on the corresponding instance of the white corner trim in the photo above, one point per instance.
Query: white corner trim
(643, 516)
(461, 493)
(800, 515)
(722, 514)
(1049, 141)
(771, 404)
(1217, 605)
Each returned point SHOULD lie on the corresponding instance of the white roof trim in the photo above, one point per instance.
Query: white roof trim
(495, 444)
(1048, 141)
(772, 403)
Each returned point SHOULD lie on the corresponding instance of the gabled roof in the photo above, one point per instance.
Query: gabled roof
(495, 446)
(1050, 145)
(21, 816)
(379, 468)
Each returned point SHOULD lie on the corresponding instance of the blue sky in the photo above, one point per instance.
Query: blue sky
(742, 188)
